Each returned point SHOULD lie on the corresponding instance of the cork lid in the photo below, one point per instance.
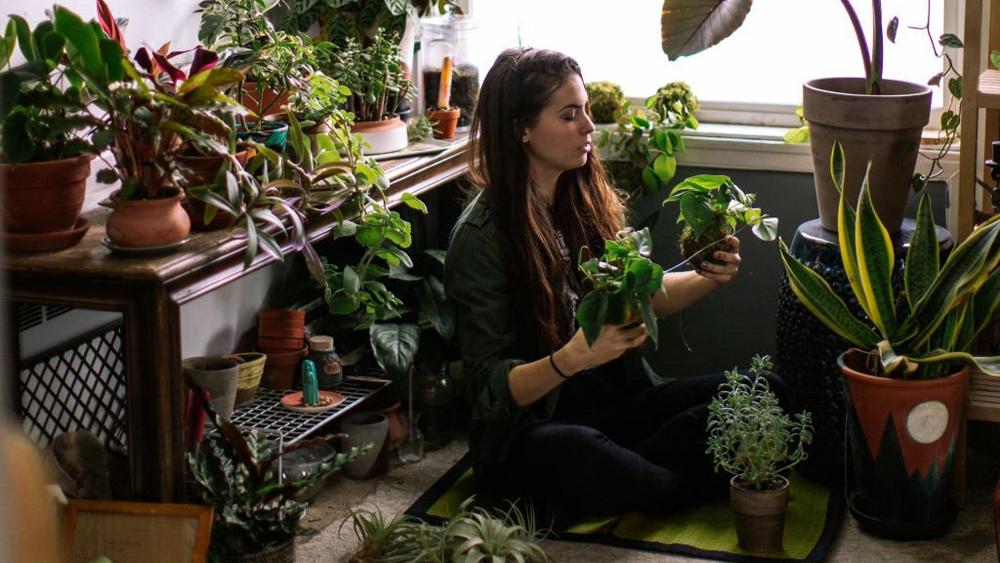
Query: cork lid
(320, 343)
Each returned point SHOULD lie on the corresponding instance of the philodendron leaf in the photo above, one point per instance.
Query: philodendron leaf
(688, 27)
(592, 311)
(766, 229)
(395, 346)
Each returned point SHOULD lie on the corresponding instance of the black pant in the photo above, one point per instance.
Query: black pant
(644, 451)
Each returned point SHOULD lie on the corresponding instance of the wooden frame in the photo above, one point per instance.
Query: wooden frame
(136, 531)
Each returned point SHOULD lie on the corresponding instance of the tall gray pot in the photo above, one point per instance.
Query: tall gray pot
(884, 129)
(363, 428)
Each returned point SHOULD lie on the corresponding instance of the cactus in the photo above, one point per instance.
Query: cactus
(310, 384)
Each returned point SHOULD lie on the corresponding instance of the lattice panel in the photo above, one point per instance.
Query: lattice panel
(78, 386)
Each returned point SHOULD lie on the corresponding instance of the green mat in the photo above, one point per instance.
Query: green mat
(815, 513)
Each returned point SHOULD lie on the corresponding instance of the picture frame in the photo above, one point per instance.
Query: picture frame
(136, 531)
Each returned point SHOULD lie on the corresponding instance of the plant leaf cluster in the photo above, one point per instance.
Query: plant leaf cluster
(749, 435)
(373, 74)
(676, 103)
(622, 281)
(706, 199)
(607, 102)
(943, 306)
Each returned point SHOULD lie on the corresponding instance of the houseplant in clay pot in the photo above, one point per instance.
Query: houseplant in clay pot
(444, 116)
(872, 117)
(751, 438)
(378, 84)
(257, 515)
(906, 380)
(45, 154)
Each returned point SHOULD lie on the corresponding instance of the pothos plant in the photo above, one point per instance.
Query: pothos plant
(711, 207)
(622, 281)
(641, 153)
(749, 435)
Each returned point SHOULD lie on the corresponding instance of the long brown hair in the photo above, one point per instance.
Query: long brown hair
(586, 208)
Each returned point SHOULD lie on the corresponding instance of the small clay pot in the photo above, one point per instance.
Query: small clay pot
(283, 315)
(760, 516)
(445, 121)
(287, 344)
(274, 331)
(141, 223)
(217, 376)
(282, 368)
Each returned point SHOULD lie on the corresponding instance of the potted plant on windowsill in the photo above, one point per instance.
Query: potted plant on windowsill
(905, 382)
(872, 117)
(751, 438)
(45, 155)
(443, 115)
(377, 83)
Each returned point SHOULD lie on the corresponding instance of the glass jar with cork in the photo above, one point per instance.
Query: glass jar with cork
(446, 41)
(330, 370)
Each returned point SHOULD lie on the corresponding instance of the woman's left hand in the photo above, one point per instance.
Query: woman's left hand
(729, 263)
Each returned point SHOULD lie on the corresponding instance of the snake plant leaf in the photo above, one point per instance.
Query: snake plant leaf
(848, 253)
(960, 273)
(922, 259)
(691, 26)
(837, 167)
(819, 298)
(990, 365)
(875, 258)
(984, 304)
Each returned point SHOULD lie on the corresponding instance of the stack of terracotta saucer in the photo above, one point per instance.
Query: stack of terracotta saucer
(281, 335)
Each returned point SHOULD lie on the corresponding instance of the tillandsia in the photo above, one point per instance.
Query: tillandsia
(934, 324)
(712, 207)
(749, 435)
(622, 282)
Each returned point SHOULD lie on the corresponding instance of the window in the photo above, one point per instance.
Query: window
(760, 67)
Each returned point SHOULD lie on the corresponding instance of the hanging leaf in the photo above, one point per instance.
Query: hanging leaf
(691, 26)
(950, 40)
(890, 31)
(395, 346)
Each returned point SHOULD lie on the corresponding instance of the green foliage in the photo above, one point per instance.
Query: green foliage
(641, 153)
(43, 114)
(800, 134)
(607, 102)
(473, 534)
(749, 436)
(934, 323)
(237, 473)
(373, 73)
(995, 58)
(676, 103)
(713, 206)
(319, 101)
(419, 129)
(622, 282)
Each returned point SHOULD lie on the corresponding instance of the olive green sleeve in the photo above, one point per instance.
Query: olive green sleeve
(476, 282)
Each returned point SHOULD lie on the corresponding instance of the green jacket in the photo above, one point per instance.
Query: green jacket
(477, 282)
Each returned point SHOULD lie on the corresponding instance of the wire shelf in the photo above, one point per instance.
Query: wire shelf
(266, 412)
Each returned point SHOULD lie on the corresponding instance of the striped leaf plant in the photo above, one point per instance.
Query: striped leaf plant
(933, 324)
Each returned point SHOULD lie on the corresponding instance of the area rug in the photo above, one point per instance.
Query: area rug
(815, 514)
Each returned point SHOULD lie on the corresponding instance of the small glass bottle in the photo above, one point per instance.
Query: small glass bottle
(328, 365)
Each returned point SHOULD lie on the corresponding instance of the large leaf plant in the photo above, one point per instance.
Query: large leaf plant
(919, 334)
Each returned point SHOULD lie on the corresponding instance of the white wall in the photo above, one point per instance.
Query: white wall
(151, 22)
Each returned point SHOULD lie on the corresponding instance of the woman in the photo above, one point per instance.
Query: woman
(587, 428)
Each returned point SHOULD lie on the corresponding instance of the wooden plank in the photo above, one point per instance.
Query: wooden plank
(969, 140)
(989, 89)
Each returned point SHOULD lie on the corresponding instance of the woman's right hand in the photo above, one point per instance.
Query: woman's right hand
(612, 342)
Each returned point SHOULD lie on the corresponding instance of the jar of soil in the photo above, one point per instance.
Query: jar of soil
(450, 36)
(329, 369)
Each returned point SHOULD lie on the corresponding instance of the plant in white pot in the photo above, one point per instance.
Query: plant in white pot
(905, 381)
(751, 438)
(872, 117)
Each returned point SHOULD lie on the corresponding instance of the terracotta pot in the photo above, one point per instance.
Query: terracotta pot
(253, 101)
(445, 122)
(900, 448)
(759, 516)
(289, 344)
(275, 331)
(884, 129)
(283, 553)
(148, 222)
(43, 197)
(282, 368)
(388, 135)
(217, 376)
(251, 366)
(204, 169)
(282, 314)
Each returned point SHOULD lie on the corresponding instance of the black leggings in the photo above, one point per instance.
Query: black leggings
(644, 452)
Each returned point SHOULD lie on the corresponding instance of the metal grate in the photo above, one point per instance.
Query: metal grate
(266, 412)
(79, 385)
(32, 314)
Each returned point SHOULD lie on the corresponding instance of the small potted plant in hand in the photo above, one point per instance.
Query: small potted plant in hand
(751, 438)
(622, 281)
(443, 116)
(713, 207)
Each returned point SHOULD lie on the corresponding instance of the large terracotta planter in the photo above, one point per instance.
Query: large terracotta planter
(43, 197)
(901, 438)
(759, 516)
(884, 129)
(138, 223)
(388, 135)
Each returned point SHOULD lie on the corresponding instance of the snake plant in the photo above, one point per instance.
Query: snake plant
(942, 309)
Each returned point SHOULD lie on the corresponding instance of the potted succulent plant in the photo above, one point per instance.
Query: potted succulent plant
(257, 515)
(754, 440)
(872, 117)
(607, 102)
(905, 382)
(45, 153)
(378, 84)
(711, 207)
(443, 115)
(622, 281)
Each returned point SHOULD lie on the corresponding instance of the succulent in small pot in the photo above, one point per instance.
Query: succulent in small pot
(751, 438)
(622, 281)
(712, 207)
(607, 102)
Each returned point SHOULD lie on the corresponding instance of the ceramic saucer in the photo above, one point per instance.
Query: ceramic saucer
(43, 242)
(143, 250)
(293, 402)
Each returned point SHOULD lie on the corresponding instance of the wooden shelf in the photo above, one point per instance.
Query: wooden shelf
(989, 89)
